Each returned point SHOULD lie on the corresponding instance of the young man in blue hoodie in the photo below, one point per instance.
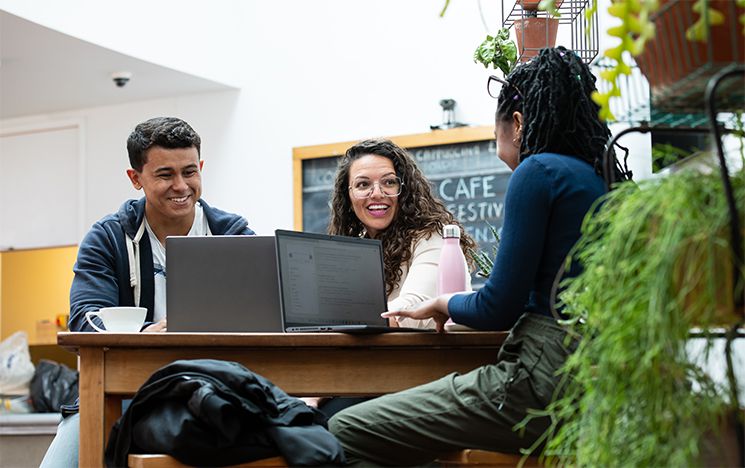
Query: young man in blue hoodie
(121, 261)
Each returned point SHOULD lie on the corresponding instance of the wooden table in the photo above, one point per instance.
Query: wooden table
(114, 365)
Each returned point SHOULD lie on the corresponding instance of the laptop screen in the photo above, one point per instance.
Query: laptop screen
(330, 280)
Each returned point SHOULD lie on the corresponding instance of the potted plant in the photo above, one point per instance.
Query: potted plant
(656, 265)
(531, 31)
(534, 32)
(499, 51)
(485, 260)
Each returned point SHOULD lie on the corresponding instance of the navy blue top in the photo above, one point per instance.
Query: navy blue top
(547, 198)
(102, 271)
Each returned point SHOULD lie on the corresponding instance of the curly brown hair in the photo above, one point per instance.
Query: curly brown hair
(419, 213)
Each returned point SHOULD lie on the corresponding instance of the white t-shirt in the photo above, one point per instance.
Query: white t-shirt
(199, 227)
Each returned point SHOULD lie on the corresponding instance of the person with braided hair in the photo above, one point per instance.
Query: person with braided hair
(549, 133)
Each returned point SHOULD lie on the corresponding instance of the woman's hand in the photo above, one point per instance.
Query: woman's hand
(436, 309)
(313, 402)
(156, 327)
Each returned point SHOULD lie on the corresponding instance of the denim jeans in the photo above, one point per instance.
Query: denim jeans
(63, 451)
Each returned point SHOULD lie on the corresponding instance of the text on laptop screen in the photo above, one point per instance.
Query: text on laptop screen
(335, 282)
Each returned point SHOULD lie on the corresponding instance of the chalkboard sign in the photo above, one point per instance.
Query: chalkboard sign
(461, 164)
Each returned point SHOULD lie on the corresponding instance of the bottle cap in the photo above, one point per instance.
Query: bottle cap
(451, 230)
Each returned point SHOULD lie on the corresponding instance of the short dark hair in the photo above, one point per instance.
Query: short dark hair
(166, 132)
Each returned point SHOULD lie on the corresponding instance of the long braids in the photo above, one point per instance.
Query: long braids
(553, 93)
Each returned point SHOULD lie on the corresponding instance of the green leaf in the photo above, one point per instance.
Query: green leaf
(498, 51)
(510, 52)
(614, 53)
(444, 8)
(549, 6)
(618, 9)
(618, 31)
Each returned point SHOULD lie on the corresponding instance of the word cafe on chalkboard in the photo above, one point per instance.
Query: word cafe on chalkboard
(460, 163)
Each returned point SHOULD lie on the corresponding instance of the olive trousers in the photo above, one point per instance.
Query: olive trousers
(477, 410)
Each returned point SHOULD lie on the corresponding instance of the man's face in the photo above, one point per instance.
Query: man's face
(172, 182)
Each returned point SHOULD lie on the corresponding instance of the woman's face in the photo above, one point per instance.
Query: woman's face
(378, 211)
(507, 133)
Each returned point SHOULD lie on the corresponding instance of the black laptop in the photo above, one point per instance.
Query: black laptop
(222, 284)
(332, 284)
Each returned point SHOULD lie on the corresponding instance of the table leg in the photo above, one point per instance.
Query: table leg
(112, 411)
(91, 386)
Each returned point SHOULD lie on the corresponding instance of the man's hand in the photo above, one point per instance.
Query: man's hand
(156, 327)
(436, 308)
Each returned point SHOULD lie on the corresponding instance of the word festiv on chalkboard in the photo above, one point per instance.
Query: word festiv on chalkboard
(461, 164)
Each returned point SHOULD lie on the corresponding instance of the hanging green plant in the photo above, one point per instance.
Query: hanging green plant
(707, 17)
(656, 263)
(499, 51)
(633, 32)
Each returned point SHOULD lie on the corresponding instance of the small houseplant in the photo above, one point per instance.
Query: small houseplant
(485, 260)
(499, 51)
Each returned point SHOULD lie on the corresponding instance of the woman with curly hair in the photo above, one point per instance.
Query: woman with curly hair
(380, 193)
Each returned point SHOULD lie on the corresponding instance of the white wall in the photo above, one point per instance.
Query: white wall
(40, 169)
(309, 73)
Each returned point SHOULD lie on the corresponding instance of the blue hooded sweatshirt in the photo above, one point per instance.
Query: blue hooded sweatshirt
(107, 273)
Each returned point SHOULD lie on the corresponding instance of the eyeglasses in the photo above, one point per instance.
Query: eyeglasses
(389, 186)
(494, 86)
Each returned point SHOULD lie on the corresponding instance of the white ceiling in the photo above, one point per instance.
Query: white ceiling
(42, 71)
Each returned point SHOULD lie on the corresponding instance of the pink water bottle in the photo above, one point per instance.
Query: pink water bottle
(452, 270)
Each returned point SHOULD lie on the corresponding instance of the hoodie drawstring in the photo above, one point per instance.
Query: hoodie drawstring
(133, 255)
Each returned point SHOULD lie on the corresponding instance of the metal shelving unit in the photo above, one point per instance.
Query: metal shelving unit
(583, 30)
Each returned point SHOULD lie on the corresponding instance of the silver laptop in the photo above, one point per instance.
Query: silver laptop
(222, 284)
(331, 283)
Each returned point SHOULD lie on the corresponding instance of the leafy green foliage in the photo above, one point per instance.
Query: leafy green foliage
(655, 262)
(665, 154)
(633, 32)
(483, 260)
(498, 50)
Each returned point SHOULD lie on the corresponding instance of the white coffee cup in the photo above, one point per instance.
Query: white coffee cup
(119, 319)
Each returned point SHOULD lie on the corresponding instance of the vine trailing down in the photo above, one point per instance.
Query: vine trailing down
(656, 263)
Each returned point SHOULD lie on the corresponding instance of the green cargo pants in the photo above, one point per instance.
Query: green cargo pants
(475, 410)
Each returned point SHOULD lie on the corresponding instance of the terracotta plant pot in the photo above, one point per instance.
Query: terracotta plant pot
(677, 69)
(534, 34)
(532, 5)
